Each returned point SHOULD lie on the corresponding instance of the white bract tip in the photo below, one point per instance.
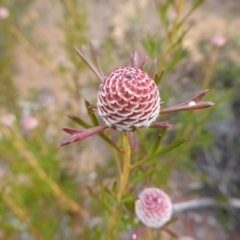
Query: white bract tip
(192, 103)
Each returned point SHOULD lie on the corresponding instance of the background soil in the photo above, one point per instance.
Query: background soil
(118, 20)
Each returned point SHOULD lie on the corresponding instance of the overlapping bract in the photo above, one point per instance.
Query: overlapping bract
(128, 99)
(154, 207)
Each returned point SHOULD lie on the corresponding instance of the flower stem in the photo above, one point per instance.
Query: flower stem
(112, 222)
(149, 234)
(124, 174)
(126, 166)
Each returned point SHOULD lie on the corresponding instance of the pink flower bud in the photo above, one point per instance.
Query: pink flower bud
(28, 123)
(128, 99)
(219, 41)
(153, 208)
(4, 13)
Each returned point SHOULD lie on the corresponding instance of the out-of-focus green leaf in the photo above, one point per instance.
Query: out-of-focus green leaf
(91, 113)
(158, 141)
(79, 121)
(152, 45)
(171, 146)
(162, 8)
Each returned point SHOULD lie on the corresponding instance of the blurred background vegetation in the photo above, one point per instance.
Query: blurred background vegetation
(45, 191)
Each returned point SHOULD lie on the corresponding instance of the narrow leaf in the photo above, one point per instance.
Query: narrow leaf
(141, 176)
(196, 106)
(140, 65)
(195, 99)
(98, 199)
(100, 134)
(160, 125)
(72, 130)
(88, 61)
(158, 78)
(78, 121)
(171, 146)
(162, 151)
(128, 199)
(96, 60)
(91, 113)
(81, 135)
(191, 104)
(153, 68)
(114, 187)
(111, 193)
(133, 141)
(158, 141)
(134, 59)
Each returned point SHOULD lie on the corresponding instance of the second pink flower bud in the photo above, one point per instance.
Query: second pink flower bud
(153, 208)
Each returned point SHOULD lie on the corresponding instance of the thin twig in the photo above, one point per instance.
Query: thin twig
(205, 203)
(85, 57)
(96, 60)
(153, 68)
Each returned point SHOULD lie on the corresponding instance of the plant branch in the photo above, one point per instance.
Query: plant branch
(126, 166)
(123, 182)
(205, 203)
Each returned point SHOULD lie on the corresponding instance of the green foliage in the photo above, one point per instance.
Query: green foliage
(43, 195)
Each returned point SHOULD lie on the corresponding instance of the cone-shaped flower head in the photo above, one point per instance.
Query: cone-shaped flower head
(153, 208)
(128, 99)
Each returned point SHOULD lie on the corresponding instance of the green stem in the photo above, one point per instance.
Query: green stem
(124, 174)
(126, 166)
(149, 234)
(211, 67)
